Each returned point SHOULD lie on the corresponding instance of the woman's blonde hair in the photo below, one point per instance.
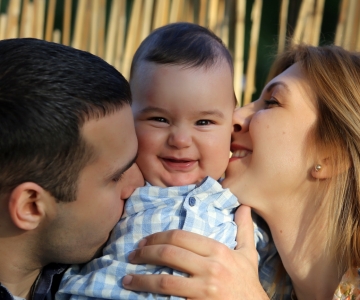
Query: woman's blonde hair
(334, 75)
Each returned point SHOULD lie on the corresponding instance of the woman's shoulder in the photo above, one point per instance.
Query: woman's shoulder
(349, 287)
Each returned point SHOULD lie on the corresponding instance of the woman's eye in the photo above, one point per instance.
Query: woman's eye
(204, 122)
(271, 103)
(159, 119)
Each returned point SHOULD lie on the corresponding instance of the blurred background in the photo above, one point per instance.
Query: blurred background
(253, 30)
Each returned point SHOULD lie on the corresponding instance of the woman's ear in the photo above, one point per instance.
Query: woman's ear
(27, 205)
(327, 168)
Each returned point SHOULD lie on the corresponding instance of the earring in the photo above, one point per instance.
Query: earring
(317, 168)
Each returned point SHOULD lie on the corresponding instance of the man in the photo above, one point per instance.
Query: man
(67, 148)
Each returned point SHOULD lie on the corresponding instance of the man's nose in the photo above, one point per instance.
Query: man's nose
(133, 179)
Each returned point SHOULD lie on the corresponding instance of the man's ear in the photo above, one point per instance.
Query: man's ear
(27, 205)
(326, 168)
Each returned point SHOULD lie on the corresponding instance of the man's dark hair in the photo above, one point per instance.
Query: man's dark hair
(184, 44)
(47, 92)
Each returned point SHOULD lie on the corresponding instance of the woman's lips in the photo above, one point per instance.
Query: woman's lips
(239, 152)
(177, 164)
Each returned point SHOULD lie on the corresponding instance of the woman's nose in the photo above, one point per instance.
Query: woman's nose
(242, 117)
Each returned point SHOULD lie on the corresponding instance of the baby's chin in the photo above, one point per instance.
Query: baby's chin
(176, 180)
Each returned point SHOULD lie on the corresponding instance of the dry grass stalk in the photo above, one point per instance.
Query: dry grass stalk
(212, 14)
(56, 37)
(220, 18)
(202, 12)
(226, 22)
(146, 24)
(354, 41)
(161, 13)
(340, 28)
(79, 23)
(112, 31)
(101, 29)
(13, 14)
(301, 21)
(119, 51)
(130, 45)
(309, 24)
(85, 36)
(239, 49)
(319, 12)
(350, 18)
(24, 15)
(189, 11)
(175, 9)
(50, 20)
(66, 22)
(357, 47)
(29, 20)
(283, 25)
(3, 21)
(39, 19)
(94, 26)
(254, 40)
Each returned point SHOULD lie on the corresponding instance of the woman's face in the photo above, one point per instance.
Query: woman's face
(270, 163)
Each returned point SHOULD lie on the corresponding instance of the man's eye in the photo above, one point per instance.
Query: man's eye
(117, 178)
(204, 122)
(159, 119)
(271, 103)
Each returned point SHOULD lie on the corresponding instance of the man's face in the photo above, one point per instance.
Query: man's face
(80, 228)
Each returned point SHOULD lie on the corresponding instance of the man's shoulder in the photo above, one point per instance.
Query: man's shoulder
(48, 282)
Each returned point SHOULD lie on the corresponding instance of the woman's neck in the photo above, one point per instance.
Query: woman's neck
(300, 236)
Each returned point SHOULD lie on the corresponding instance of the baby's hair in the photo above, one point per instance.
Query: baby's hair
(186, 44)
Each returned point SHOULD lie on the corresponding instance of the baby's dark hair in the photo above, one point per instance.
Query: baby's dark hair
(184, 44)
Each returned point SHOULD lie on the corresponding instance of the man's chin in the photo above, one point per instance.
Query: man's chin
(99, 251)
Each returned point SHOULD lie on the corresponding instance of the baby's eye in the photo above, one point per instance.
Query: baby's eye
(204, 122)
(271, 103)
(159, 119)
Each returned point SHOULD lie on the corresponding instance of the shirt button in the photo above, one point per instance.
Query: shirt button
(192, 201)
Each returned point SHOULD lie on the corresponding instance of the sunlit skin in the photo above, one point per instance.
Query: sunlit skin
(272, 170)
(269, 162)
(183, 121)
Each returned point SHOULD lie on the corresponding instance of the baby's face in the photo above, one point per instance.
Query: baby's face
(183, 121)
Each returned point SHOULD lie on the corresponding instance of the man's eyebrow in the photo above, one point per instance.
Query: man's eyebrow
(276, 83)
(122, 170)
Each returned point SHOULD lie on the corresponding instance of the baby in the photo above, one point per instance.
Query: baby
(183, 101)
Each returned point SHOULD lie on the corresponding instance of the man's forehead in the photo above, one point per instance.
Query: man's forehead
(113, 135)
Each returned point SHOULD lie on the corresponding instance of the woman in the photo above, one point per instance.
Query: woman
(296, 162)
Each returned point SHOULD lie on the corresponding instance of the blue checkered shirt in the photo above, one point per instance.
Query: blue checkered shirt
(207, 209)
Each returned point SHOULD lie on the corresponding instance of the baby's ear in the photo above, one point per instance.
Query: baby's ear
(27, 205)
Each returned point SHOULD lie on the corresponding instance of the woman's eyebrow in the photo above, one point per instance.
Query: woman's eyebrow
(276, 83)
